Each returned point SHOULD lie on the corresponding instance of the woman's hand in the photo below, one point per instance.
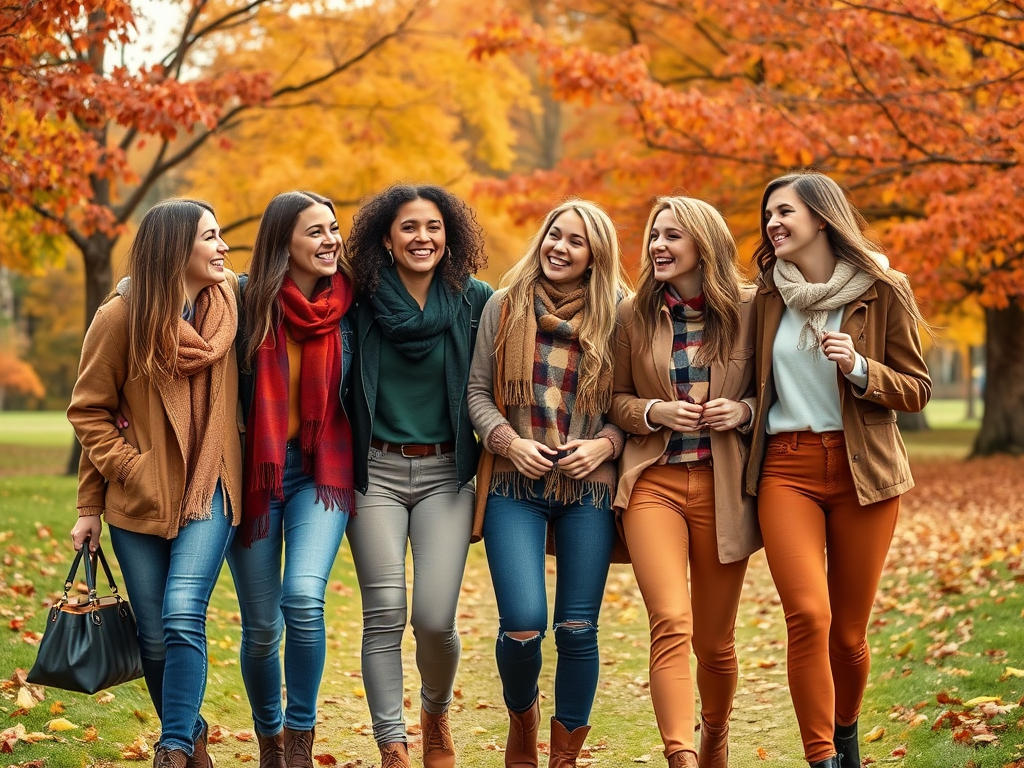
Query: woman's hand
(677, 415)
(722, 415)
(87, 527)
(838, 347)
(586, 456)
(529, 457)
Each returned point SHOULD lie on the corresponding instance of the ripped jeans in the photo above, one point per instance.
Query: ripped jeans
(515, 534)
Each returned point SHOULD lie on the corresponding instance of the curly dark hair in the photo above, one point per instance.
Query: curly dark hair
(372, 223)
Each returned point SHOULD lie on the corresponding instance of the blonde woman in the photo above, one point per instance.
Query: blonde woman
(539, 388)
(683, 386)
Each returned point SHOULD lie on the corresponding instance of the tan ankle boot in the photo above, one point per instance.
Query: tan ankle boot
(298, 748)
(201, 758)
(271, 750)
(714, 745)
(438, 748)
(521, 747)
(682, 759)
(169, 758)
(565, 747)
(395, 754)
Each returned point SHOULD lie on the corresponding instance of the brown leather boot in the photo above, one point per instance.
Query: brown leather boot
(521, 747)
(394, 755)
(200, 757)
(298, 748)
(169, 758)
(271, 750)
(714, 745)
(438, 747)
(682, 759)
(565, 747)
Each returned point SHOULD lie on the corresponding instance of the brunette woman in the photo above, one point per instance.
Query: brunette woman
(683, 387)
(539, 389)
(414, 250)
(295, 356)
(838, 353)
(154, 408)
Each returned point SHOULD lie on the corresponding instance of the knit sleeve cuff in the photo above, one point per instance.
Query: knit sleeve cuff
(615, 436)
(126, 469)
(501, 438)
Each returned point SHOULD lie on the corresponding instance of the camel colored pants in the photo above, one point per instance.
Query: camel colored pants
(826, 553)
(669, 523)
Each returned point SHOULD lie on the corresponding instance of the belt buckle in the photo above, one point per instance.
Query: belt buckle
(408, 455)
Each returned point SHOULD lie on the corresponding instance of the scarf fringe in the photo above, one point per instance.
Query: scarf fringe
(310, 434)
(254, 529)
(557, 486)
(337, 499)
(202, 510)
(593, 401)
(268, 476)
(517, 393)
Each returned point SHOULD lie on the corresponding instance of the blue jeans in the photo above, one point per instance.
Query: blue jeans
(169, 583)
(515, 534)
(309, 535)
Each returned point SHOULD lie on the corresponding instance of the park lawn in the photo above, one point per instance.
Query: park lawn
(952, 561)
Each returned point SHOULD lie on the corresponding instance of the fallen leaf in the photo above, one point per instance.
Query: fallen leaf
(57, 708)
(642, 759)
(982, 700)
(61, 724)
(326, 759)
(875, 734)
(104, 698)
(137, 750)
(25, 699)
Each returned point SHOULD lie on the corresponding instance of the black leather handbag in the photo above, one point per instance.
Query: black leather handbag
(88, 645)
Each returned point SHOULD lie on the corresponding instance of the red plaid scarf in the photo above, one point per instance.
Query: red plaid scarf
(325, 435)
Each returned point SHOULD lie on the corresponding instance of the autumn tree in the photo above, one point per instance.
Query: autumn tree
(915, 105)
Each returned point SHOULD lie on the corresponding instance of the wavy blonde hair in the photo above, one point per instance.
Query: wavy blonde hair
(722, 278)
(605, 286)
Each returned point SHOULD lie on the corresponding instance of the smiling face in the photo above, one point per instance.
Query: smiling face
(416, 239)
(674, 255)
(314, 247)
(565, 251)
(793, 229)
(205, 265)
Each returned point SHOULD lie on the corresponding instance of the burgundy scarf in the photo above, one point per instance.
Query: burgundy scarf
(325, 435)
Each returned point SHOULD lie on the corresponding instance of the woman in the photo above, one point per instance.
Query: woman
(539, 388)
(683, 387)
(298, 464)
(414, 250)
(159, 360)
(838, 353)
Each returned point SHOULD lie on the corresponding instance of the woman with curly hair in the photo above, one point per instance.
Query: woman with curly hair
(414, 250)
(539, 389)
(684, 381)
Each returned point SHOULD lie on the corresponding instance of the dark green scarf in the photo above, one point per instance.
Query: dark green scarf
(413, 331)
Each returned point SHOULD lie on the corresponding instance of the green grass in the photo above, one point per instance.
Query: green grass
(36, 428)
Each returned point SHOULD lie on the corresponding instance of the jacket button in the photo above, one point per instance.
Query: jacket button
(856, 457)
(876, 394)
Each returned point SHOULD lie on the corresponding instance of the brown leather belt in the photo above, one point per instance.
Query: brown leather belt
(413, 451)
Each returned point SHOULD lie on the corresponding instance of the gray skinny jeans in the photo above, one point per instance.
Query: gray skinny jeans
(413, 501)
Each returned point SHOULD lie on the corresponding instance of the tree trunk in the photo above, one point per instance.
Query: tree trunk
(1002, 424)
(911, 422)
(97, 255)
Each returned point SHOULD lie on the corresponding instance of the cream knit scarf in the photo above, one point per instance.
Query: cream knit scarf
(816, 300)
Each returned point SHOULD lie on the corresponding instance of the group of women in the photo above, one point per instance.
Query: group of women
(363, 388)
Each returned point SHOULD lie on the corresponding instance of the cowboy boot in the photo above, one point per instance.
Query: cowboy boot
(298, 748)
(438, 748)
(847, 745)
(682, 759)
(714, 745)
(394, 755)
(565, 747)
(201, 758)
(169, 758)
(521, 747)
(828, 762)
(271, 750)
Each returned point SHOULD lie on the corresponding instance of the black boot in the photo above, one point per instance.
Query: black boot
(828, 762)
(847, 745)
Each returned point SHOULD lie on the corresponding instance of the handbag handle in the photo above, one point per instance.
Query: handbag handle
(90, 578)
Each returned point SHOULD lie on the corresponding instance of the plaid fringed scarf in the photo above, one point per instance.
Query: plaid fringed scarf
(325, 435)
(691, 382)
(539, 374)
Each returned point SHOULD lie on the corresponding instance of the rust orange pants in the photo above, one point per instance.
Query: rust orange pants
(670, 522)
(826, 553)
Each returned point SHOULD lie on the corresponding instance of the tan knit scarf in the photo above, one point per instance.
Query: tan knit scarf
(195, 392)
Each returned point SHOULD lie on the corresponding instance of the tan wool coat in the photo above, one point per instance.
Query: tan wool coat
(136, 477)
(886, 335)
(642, 374)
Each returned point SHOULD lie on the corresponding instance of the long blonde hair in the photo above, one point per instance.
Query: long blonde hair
(722, 278)
(605, 285)
(157, 260)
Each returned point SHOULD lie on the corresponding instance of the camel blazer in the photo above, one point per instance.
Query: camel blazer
(643, 374)
(886, 335)
(136, 478)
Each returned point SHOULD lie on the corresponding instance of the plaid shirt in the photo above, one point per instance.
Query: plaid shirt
(691, 383)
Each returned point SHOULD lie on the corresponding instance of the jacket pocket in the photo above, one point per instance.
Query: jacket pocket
(143, 494)
(741, 354)
(878, 416)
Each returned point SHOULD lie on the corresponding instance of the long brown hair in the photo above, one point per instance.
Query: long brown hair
(722, 278)
(157, 259)
(269, 264)
(606, 285)
(845, 228)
